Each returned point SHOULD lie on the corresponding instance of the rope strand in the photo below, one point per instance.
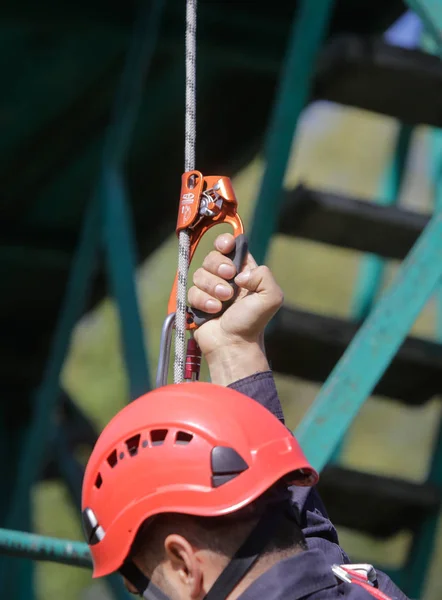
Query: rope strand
(189, 165)
(190, 119)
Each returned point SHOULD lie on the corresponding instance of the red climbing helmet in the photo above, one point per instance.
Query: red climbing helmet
(193, 448)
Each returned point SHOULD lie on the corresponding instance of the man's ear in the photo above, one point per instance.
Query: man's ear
(185, 564)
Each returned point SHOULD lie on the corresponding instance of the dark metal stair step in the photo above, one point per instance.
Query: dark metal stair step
(375, 505)
(343, 221)
(368, 73)
(308, 345)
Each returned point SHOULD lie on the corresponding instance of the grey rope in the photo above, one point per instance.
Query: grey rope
(189, 165)
(190, 123)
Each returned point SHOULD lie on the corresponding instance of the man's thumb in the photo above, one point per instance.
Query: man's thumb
(262, 282)
(243, 278)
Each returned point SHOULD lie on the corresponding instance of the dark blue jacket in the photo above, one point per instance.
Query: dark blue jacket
(308, 574)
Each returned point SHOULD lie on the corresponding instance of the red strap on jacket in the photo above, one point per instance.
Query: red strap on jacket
(362, 575)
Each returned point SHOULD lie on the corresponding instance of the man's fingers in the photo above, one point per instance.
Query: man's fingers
(203, 301)
(212, 284)
(261, 281)
(217, 264)
(225, 243)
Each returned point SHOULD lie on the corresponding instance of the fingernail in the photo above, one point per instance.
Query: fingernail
(221, 243)
(243, 277)
(223, 291)
(213, 305)
(226, 271)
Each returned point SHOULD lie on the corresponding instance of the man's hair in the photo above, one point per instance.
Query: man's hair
(222, 535)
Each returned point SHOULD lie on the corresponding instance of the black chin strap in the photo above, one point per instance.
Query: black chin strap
(143, 584)
(241, 563)
(247, 555)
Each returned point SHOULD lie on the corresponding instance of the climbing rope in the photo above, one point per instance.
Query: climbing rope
(190, 124)
(189, 165)
(205, 201)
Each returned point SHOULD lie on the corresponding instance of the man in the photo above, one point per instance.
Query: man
(195, 491)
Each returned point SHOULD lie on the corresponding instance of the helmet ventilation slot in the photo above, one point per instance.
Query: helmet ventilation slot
(133, 444)
(158, 436)
(183, 438)
(112, 459)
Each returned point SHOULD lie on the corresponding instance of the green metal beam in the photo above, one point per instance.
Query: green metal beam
(372, 267)
(119, 245)
(38, 547)
(118, 234)
(309, 27)
(373, 347)
(430, 13)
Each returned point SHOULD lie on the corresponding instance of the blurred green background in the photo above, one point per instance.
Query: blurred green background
(343, 150)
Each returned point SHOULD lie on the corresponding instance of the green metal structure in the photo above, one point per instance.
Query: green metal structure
(322, 431)
(95, 180)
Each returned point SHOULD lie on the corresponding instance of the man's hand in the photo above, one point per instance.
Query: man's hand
(233, 344)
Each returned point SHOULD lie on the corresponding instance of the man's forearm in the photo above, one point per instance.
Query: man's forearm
(236, 362)
(247, 370)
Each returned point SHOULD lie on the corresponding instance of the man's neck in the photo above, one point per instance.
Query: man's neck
(264, 564)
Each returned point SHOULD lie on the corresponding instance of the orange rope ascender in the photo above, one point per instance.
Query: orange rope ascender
(205, 201)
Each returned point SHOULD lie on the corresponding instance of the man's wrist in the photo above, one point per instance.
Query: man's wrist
(237, 361)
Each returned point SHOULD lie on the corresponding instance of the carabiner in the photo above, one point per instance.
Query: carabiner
(193, 355)
(204, 203)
